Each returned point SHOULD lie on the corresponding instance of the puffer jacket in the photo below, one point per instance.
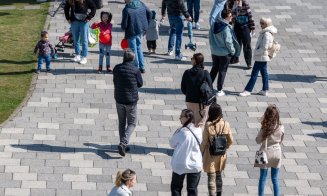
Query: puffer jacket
(174, 8)
(265, 41)
(222, 39)
(127, 79)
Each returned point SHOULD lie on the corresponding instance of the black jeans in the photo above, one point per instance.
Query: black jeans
(192, 182)
(244, 38)
(219, 65)
(126, 113)
(151, 44)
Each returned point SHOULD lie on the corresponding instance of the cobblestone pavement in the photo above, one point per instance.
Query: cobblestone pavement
(63, 141)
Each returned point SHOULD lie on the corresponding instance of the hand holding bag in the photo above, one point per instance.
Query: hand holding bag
(261, 155)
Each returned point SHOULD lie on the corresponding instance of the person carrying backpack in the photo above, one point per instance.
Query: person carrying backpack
(216, 127)
(191, 87)
(261, 57)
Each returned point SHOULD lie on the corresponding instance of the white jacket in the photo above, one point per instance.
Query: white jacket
(265, 41)
(187, 157)
(122, 190)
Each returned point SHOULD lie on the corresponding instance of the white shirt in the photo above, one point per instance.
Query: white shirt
(120, 191)
(187, 157)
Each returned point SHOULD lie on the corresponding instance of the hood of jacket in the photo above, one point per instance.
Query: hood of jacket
(134, 4)
(219, 26)
(271, 29)
(194, 70)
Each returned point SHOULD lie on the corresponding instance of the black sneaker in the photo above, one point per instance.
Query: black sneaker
(108, 69)
(127, 149)
(142, 70)
(121, 150)
(99, 70)
(48, 70)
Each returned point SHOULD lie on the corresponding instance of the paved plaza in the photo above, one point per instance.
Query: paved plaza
(63, 140)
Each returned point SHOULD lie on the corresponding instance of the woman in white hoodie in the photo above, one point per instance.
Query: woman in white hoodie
(187, 158)
(265, 41)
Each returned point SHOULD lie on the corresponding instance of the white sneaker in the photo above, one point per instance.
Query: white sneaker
(197, 26)
(245, 94)
(264, 93)
(221, 93)
(83, 60)
(170, 52)
(77, 58)
(180, 58)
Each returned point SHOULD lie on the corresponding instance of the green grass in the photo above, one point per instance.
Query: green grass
(19, 32)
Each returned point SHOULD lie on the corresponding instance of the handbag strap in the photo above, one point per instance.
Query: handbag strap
(197, 140)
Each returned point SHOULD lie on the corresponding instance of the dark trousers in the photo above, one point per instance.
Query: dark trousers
(244, 39)
(126, 113)
(192, 182)
(219, 65)
(152, 44)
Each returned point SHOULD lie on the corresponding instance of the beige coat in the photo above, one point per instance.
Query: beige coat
(274, 151)
(212, 164)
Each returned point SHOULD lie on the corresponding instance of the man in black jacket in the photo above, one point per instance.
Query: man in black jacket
(127, 79)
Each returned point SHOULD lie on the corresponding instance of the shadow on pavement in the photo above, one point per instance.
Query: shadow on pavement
(160, 91)
(134, 149)
(48, 148)
(292, 78)
(322, 123)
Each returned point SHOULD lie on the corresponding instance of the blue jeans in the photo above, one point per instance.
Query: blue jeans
(126, 113)
(262, 67)
(47, 59)
(176, 32)
(216, 10)
(274, 179)
(80, 31)
(196, 5)
(104, 51)
(135, 44)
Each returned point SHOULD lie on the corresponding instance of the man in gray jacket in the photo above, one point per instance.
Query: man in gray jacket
(176, 11)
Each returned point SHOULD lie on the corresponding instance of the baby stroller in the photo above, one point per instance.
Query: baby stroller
(67, 39)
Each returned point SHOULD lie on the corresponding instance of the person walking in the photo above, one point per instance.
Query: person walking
(216, 10)
(244, 28)
(214, 165)
(223, 45)
(191, 82)
(176, 13)
(76, 13)
(187, 158)
(270, 137)
(124, 181)
(136, 17)
(127, 79)
(265, 41)
(194, 6)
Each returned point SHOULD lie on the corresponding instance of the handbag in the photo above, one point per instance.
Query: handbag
(261, 155)
(218, 144)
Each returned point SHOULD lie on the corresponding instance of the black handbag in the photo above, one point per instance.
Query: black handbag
(208, 94)
(218, 144)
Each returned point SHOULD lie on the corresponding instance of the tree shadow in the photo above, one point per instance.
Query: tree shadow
(322, 123)
(292, 78)
(134, 149)
(16, 62)
(160, 91)
(48, 148)
(16, 73)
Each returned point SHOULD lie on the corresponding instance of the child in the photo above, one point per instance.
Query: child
(105, 40)
(152, 34)
(45, 48)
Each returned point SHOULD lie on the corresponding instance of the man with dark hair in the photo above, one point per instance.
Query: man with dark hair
(135, 21)
(127, 79)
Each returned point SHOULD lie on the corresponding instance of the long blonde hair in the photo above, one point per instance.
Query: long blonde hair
(123, 177)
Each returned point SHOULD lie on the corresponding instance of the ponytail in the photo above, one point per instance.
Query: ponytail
(123, 177)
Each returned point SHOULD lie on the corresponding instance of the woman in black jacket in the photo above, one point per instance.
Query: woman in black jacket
(191, 82)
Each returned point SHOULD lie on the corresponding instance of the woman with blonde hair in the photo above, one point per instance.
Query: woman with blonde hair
(265, 41)
(213, 165)
(270, 137)
(124, 181)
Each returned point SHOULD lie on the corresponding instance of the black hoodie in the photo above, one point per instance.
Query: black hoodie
(191, 82)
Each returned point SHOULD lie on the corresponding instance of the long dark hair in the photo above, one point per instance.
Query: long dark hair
(108, 14)
(189, 115)
(270, 121)
(215, 113)
(199, 59)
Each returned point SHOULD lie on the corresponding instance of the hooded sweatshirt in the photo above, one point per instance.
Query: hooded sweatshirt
(265, 41)
(191, 82)
(222, 39)
(136, 18)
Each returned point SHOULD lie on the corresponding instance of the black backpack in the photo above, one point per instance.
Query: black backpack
(218, 144)
(208, 94)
